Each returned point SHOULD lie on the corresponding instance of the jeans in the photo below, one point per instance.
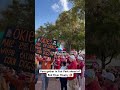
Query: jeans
(36, 75)
(45, 81)
(12, 87)
(63, 82)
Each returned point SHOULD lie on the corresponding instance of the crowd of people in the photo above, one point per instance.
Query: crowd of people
(102, 79)
(96, 78)
(11, 79)
(90, 78)
(62, 61)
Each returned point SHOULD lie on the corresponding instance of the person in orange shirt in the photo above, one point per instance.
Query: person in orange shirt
(46, 64)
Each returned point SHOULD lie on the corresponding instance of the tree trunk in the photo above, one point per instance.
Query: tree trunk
(68, 46)
(110, 59)
(103, 64)
(103, 58)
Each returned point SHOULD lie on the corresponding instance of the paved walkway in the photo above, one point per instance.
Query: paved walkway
(53, 84)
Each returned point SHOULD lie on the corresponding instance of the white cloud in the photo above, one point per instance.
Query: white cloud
(56, 7)
(62, 5)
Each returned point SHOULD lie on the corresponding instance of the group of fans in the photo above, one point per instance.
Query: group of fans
(97, 78)
(62, 61)
(90, 78)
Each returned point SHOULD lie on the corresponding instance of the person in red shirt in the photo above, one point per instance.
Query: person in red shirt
(72, 81)
(109, 83)
(90, 80)
(57, 63)
(81, 67)
(63, 59)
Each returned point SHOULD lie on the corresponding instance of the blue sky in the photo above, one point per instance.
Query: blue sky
(3, 5)
(48, 10)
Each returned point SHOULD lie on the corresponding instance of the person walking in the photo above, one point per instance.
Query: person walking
(109, 81)
(46, 64)
(91, 83)
(63, 80)
(80, 76)
(72, 81)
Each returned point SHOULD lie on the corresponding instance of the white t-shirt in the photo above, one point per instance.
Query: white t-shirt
(63, 68)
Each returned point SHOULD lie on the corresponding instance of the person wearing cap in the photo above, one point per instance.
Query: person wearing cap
(80, 64)
(90, 80)
(72, 81)
(109, 79)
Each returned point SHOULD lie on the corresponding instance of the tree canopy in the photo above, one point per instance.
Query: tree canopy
(69, 27)
(20, 13)
(103, 29)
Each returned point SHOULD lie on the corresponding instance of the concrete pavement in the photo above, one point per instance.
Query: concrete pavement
(54, 84)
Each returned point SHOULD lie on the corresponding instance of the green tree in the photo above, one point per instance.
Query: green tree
(71, 30)
(20, 14)
(48, 30)
(103, 30)
(69, 27)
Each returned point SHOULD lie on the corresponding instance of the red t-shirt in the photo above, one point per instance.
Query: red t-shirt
(68, 61)
(57, 62)
(72, 65)
(80, 66)
(113, 87)
(93, 86)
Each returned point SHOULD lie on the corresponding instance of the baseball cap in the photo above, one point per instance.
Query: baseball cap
(109, 76)
(72, 57)
(79, 58)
